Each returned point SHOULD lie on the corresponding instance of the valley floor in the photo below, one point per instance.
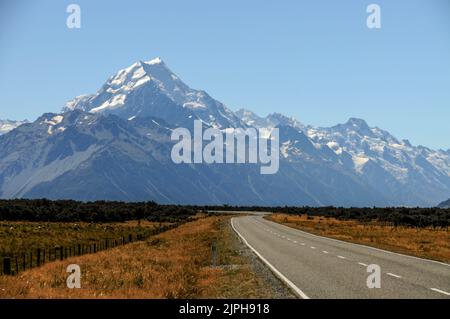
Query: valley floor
(173, 264)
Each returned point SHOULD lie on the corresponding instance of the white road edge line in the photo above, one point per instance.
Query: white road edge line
(297, 290)
(441, 291)
(361, 245)
(393, 275)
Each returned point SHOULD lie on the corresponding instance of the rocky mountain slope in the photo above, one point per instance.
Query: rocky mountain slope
(115, 144)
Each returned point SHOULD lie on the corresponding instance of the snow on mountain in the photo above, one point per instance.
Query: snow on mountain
(150, 88)
(410, 174)
(8, 125)
(270, 121)
(277, 119)
(375, 153)
(374, 144)
(251, 119)
(115, 144)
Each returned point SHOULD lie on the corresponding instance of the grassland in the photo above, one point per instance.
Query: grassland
(425, 242)
(19, 237)
(173, 264)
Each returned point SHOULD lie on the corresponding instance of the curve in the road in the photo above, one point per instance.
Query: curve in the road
(329, 268)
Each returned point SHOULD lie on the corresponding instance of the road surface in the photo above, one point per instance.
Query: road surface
(320, 267)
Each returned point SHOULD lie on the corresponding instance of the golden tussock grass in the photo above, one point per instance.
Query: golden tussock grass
(420, 242)
(174, 264)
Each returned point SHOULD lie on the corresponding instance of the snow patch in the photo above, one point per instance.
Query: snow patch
(114, 102)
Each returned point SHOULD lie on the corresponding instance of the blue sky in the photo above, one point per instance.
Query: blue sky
(314, 60)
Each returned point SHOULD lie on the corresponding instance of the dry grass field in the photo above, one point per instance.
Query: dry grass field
(18, 237)
(173, 264)
(421, 242)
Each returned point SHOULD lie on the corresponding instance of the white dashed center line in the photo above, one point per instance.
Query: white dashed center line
(441, 291)
(325, 252)
(341, 257)
(312, 247)
(393, 275)
(363, 264)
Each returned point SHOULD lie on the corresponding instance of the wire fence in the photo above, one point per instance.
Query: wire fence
(16, 263)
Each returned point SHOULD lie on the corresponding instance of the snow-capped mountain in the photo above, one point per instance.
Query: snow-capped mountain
(150, 88)
(89, 156)
(115, 144)
(414, 174)
(410, 175)
(8, 125)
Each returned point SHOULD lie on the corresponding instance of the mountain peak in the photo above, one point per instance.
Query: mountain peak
(150, 88)
(154, 61)
(278, 119)
(357, 122)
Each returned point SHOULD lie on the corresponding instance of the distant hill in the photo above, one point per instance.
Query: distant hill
(445, 204)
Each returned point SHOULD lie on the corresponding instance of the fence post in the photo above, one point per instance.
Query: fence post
(38, 260)
(31, 259)
(131, 238)
(61, 253)
(17, 266)
(24, 261)
(213, 254)
(7, 266)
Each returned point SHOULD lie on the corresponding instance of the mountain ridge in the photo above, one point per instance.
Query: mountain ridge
(118, 141)
(445, 204)
(9, 125)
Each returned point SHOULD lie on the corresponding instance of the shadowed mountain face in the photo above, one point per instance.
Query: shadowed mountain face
(445, 204)
(115, 145)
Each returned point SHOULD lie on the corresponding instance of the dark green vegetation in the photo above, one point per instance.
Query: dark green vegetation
(396, 216)
(44, 210)
(99, 211)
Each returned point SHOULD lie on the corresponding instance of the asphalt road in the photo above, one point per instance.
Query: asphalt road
(320, 267)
